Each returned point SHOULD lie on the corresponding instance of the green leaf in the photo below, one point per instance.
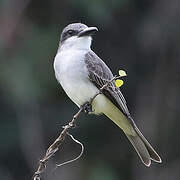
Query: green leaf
(119, 82)
(122, 73)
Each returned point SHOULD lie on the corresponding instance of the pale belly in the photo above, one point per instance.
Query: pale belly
(72, 74)
(79, 90)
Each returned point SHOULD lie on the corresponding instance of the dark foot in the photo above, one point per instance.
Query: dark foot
(87, 107)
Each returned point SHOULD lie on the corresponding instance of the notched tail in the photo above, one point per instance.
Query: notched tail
(143, 148)
(153, 154)
(140, 149)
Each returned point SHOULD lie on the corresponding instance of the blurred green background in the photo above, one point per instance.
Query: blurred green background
(141, 37)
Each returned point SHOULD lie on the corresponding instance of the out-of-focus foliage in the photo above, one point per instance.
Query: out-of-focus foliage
(100, 11)
(139, 36)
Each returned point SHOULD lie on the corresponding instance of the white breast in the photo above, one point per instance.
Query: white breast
(71, 72)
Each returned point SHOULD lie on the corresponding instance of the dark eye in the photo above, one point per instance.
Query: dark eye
(70, 32)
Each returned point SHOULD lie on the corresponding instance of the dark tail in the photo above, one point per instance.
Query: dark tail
(143, 148)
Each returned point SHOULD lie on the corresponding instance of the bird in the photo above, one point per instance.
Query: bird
(81, 73)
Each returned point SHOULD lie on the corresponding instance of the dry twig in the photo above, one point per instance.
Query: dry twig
(55, 146)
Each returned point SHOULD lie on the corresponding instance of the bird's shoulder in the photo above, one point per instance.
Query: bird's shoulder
(96, 66)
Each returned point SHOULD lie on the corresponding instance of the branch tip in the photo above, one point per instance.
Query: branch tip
(81, 153)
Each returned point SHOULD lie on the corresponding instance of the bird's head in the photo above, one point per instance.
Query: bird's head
(77, 35)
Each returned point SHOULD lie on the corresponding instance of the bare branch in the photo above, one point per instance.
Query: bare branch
(55, 146)
(82, 150)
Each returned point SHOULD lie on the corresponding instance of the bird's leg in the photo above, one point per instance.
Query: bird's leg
(87, 107)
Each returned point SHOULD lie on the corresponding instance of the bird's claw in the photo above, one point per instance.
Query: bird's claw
(87, 107)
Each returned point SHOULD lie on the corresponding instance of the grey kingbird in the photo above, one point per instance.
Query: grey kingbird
(82, 73)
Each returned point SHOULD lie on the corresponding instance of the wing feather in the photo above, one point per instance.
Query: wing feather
(100, 74)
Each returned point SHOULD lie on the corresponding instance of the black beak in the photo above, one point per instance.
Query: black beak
(88, 31)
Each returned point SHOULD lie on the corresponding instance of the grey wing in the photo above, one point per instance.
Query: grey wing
(100, 74)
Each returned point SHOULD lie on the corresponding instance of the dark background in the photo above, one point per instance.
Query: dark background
(141, 37)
